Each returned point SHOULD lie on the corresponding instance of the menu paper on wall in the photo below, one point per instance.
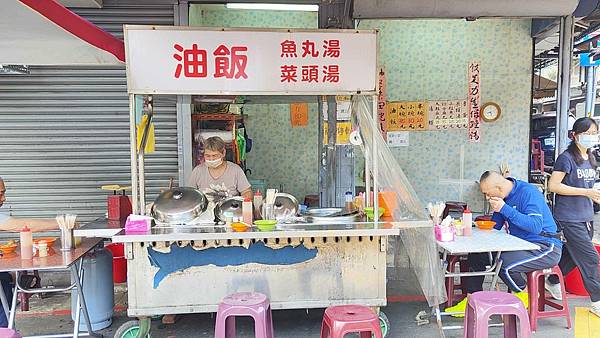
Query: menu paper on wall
(474, 128)
(448, 115)
(409, 116)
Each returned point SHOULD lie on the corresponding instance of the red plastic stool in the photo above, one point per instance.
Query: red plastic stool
(451, 286)
(538, 301)
(27, 278)
(341, 320)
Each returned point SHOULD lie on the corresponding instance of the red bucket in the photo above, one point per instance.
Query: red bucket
(574, 282)
(119, 262)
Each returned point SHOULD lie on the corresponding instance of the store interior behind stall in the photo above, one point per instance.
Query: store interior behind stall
(283, 143)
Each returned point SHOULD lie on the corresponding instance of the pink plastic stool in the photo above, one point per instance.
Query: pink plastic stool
(341, 320)
(537, 305)
(251, 304)
(483, 304)
(9, 333)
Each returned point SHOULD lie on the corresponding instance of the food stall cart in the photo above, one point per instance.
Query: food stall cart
(189, 268)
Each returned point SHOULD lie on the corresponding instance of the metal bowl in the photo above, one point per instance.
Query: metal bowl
(179, 205)
(231, 206)
(285, 206)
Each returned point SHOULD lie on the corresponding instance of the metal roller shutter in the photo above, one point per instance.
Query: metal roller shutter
(64, 131)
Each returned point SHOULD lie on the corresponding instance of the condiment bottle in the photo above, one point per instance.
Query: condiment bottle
(258, 199)
(247, 210)
(26, 239)
(359, 202)
(349, 201)
(467, 222)
(43, 249)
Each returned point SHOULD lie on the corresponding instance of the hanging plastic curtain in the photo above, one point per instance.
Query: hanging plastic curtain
(398, 194)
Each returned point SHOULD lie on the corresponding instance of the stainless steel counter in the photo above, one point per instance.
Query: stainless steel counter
(101, 228)
(183, 233)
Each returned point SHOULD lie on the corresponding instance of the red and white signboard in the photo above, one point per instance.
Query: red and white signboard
(188, 60)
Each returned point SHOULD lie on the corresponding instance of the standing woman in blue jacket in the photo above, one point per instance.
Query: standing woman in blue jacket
(572, 181)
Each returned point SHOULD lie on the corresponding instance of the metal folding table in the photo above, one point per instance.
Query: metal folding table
(60, 260)
(493, 242)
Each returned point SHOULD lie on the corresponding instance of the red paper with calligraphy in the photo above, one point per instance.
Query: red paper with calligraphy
(474, 102)
(381, 103)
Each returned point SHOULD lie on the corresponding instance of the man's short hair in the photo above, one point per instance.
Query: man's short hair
(214, 143)
(487, 175)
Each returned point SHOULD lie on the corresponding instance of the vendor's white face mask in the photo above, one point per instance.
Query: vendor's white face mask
(214, 163)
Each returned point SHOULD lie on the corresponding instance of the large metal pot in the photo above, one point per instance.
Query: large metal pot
(179, 205)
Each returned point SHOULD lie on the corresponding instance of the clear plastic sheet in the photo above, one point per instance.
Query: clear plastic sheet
(418, 242)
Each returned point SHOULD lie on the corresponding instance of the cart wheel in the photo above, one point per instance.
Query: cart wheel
(129, 329)
(384, 322)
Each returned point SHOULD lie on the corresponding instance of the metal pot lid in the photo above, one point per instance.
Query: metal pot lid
(180, 202)
(285, 205)
(231, 207)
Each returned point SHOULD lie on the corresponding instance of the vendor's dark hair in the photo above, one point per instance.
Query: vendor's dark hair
(580, 126)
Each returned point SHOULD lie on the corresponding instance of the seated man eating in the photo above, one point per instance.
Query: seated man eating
(521, 206)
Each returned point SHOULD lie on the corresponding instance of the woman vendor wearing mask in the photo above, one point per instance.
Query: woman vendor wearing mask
(216, 176)
(217, 172)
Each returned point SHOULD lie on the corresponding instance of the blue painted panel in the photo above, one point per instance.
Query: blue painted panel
(180, 259)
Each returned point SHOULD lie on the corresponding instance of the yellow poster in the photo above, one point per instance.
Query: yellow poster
(343, 132)
(407, 116)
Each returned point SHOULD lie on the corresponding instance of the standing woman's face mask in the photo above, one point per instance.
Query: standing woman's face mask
(589, 138)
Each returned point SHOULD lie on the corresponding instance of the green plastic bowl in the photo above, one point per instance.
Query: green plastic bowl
(265, 224)
(369, 213)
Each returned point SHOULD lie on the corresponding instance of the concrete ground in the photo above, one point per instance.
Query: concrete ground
(52, 315)
(288, 323)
